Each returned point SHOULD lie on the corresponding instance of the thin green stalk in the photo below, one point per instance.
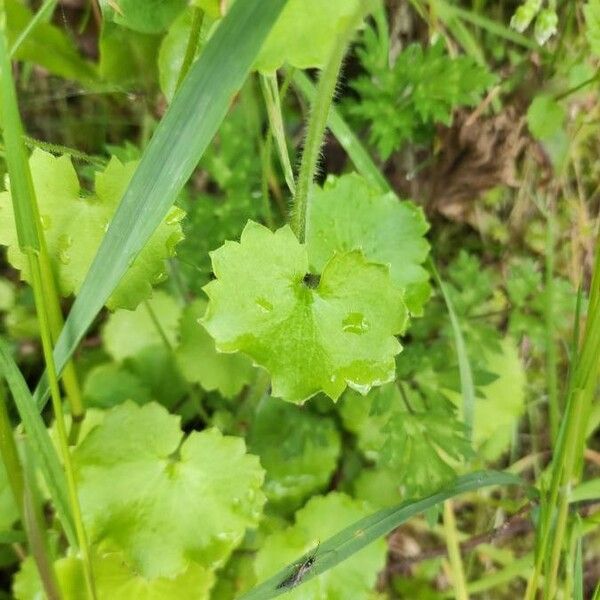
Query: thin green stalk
(570, 445)
(550, 317)
(8, 451)
(317, 123)
(42, 15)
(458, 572)
(467, 385)
(270, 89)
(32, 244)
(193, 393)
(192, 45)
(33, 523)
(47, 349)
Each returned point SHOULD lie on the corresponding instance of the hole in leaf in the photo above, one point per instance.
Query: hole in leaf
(311, 281)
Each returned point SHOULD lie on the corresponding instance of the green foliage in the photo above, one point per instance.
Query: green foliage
(46, 45)
(404, 102)
(591, 10)
(302, 20)
(74, 227)
(149, 16)
(126, 332)
(173, 48)
(9, 513)
(545, 117)
(298, 449)
(116, 579)
(127, 57)
(321, 517)
(349, 214)
(311, 336)
(525, 14)
(397, 430)
(200, 362)
(234, 166)
(205, 490)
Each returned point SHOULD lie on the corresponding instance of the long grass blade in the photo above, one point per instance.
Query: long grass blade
(464, 365)
(360, 534)
(44, 451)
(180, 139)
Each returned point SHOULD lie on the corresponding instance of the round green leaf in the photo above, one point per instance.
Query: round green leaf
(320, 518)
(74, 226)
(200, 362)
(305, 33)
(298, 449)
(348, 214)
(115, 579)
(311, 333)
(162, 500)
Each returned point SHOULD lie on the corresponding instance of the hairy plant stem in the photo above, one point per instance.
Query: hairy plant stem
(452, 543)
(47, 349)
(317, 123)
(569, 448)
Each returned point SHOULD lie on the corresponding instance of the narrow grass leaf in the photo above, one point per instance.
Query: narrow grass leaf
(44, 451)
(464, 366)
(347, 542)
(180, 139)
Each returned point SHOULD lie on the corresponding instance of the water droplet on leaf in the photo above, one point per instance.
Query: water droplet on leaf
(355, 323)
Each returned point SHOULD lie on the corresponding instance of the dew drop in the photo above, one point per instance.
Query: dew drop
(162, 276)
(355, 323)
(46, 221)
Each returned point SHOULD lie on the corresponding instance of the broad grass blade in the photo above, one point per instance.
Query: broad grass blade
(352, 539)
(174, 151)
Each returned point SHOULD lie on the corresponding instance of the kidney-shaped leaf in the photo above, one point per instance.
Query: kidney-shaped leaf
(162, 500)
(311, 333)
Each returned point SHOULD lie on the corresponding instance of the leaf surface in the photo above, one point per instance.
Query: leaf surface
(200, 362)
(162, 500)
(305, 34)
(74, 226)
(349, 214)
(310, 336)
(323, 516)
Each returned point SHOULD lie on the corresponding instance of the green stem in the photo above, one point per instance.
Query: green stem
(8, 451)
(33, 523)
(551, 358)
(317, 123)
(452, 543)
(47, 348)
(570, 444)
(192, 45)
(192, 392)
(270, 89)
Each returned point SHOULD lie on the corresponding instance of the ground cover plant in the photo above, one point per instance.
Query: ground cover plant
(299, 298)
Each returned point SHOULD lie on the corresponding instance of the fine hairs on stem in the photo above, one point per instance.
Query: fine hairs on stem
(317, 122)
